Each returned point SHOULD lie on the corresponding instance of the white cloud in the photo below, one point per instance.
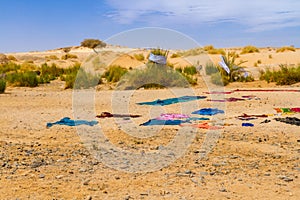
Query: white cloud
(257, 15)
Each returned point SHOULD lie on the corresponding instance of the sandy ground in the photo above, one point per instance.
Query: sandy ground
(260, 162)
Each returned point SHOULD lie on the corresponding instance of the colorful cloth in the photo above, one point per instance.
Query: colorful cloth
(204, 125)
(172, 116)
(250, 117)
(208, 111)
(247, 124)
(231, 99)
(164, 102)
(153, 122)
(69, 122)
(107, 114)
(287, 110)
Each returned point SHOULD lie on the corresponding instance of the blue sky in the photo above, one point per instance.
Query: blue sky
(31, 25)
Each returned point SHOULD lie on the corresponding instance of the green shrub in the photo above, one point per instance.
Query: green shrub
(216, 51)
(9, 67)
(69, 75)
(258, 61)
(210, 49)
(210, 68)
(160, 52)
(190, 70)
(249, 49)
(70, 80)
(81, 79)
(139, 57)
(68, 56)
(284, 76)
(28, 66)
(23, 79)
(270, 56)
(283, 49)
(179, 69)
(191, 52)
(51, 57)
(2, 85)
(175, 55)
(93, 43)
(218, 79)
(114, 73)
(155, 76)
(86, 80)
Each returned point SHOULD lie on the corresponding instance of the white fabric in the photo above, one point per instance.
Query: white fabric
(224, 66)
(158, 59)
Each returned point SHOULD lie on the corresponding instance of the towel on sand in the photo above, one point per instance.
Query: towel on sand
(69, 122)
(164, 102)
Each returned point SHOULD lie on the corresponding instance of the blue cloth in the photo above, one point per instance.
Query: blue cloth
(197, 118)
(208, 111)
(69, 122)
(164, 102)
(152, 122)
(247, 124)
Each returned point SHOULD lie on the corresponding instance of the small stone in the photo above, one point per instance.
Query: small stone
(297, 168)
(285, 178)
(82, 170)
(204, 173)
(127, 197)
(212, 173)
(223, 190)
(89, 197)
(188, 172)
(267, 174)
(234, 157)
(59, 176)
(42, 176)
(86, 182)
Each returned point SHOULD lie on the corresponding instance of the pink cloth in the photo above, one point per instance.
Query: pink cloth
(171, 116)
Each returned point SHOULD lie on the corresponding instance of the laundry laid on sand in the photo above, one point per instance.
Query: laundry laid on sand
(196, 119)
(250, 97)
(289, 120)
(231, 99)
(250, 117)
(172, 116)
(252, 90)
(152, 122)
(172, 119)
(287, 110)
(247, 124)
(69, 122)
(108, 114)
(164, 102)
(208, 111)
(204, 125)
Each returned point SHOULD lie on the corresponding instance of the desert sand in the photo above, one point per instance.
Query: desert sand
(260, 162)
